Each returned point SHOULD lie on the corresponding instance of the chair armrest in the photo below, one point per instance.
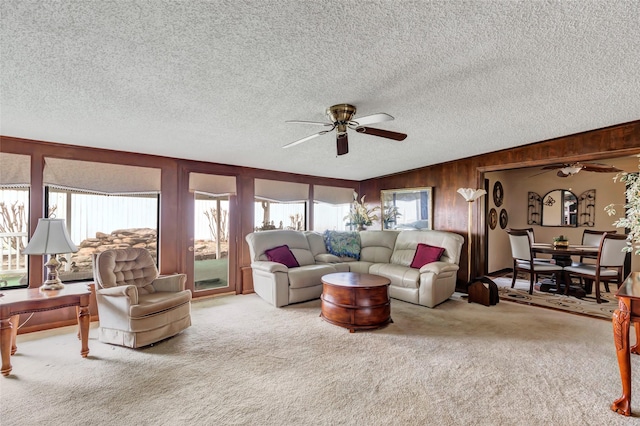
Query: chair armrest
(128, 291)
(172, 283)
(327, 258)
(439, 267)
(266, 266)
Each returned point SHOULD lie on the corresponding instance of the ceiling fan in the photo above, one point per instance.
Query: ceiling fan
(570, 169)
(340, 119)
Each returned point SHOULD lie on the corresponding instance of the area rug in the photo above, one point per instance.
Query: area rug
(585, 306)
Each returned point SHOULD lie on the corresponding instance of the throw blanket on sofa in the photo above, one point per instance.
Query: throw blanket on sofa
(343, 244)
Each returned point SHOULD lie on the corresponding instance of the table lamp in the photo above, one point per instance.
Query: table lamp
(50, 238)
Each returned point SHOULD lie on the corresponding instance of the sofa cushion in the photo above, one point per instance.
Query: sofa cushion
(343, 243)
(309, 275)
(407, 242)
(282, 254)
(400, 276)
(426, 254)
(377, 246)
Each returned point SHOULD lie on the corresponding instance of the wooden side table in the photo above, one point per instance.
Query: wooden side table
(356, 301)
(23, 301)
(628, 311)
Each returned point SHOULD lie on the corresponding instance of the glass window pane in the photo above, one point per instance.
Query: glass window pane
(211, 249)
(276, 215)
(330, 217)
(98, 222)
(14, 234)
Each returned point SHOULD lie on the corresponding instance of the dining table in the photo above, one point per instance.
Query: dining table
(562, 257)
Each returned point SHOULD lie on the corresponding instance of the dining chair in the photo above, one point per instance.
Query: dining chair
(593, 238)
(523, 259)
(609, 264)
(590, 237)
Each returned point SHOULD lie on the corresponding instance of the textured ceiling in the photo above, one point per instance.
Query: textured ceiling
(216, 80)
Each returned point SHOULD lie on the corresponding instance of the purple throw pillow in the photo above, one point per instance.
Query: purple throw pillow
(282, 254)
(426, 254)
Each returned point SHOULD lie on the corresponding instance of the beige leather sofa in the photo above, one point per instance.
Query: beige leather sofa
(385, 253)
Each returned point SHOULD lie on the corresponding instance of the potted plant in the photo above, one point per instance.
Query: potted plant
(560, 241)
(631, 220)
(359, 214)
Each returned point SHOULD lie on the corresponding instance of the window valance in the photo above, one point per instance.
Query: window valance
(332, 194)
(284, 192)
(212, 184)
(103, 178)
(15, 169)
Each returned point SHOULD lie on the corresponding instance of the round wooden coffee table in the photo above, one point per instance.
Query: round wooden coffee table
(355, 301)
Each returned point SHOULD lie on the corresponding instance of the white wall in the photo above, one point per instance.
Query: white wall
(517, 184)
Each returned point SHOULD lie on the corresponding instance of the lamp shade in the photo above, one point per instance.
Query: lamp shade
(51, 237)
(470, 194)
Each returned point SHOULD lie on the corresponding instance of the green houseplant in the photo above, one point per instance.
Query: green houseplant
(560, 241)
(631, 220)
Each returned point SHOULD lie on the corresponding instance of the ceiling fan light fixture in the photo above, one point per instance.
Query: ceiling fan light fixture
(571, 170)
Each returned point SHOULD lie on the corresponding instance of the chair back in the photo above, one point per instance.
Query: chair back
(532, 236)
(593, 238)
(520, 244)
(129, 266)
(611, 250)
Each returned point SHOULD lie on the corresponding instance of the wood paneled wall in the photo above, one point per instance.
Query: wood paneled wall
(176, 209)
(450, 209)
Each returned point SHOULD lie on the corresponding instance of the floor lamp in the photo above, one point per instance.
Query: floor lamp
(470, 195)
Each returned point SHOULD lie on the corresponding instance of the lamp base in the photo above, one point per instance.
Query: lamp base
(52, 285)
(52, 282)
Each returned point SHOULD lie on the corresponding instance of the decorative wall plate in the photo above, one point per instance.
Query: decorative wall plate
(498, 194)
(504, 219)
(493, 218)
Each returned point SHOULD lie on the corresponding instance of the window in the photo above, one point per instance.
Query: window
(331, 205)
(276, 215)
(212, 208)
(211, 257)
(14, 232)
(105, 206)
(15, 175)
(280, 205)
(97, 222)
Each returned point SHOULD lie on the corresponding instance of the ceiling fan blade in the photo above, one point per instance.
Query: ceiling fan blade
(299, 141)
(315, 123)
(382, 133)
(342, 143)
(373, 118)
(600, 168)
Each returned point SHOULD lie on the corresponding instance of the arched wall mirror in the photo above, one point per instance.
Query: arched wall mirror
(560, 208)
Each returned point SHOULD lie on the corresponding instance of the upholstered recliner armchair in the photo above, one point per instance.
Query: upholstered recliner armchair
(136, 306)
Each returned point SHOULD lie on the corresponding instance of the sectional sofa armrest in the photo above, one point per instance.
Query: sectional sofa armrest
(327, 258)
(439, 267)
(264, 265)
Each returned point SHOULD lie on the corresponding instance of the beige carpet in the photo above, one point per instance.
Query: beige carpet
(244, 362)
(584, 306)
